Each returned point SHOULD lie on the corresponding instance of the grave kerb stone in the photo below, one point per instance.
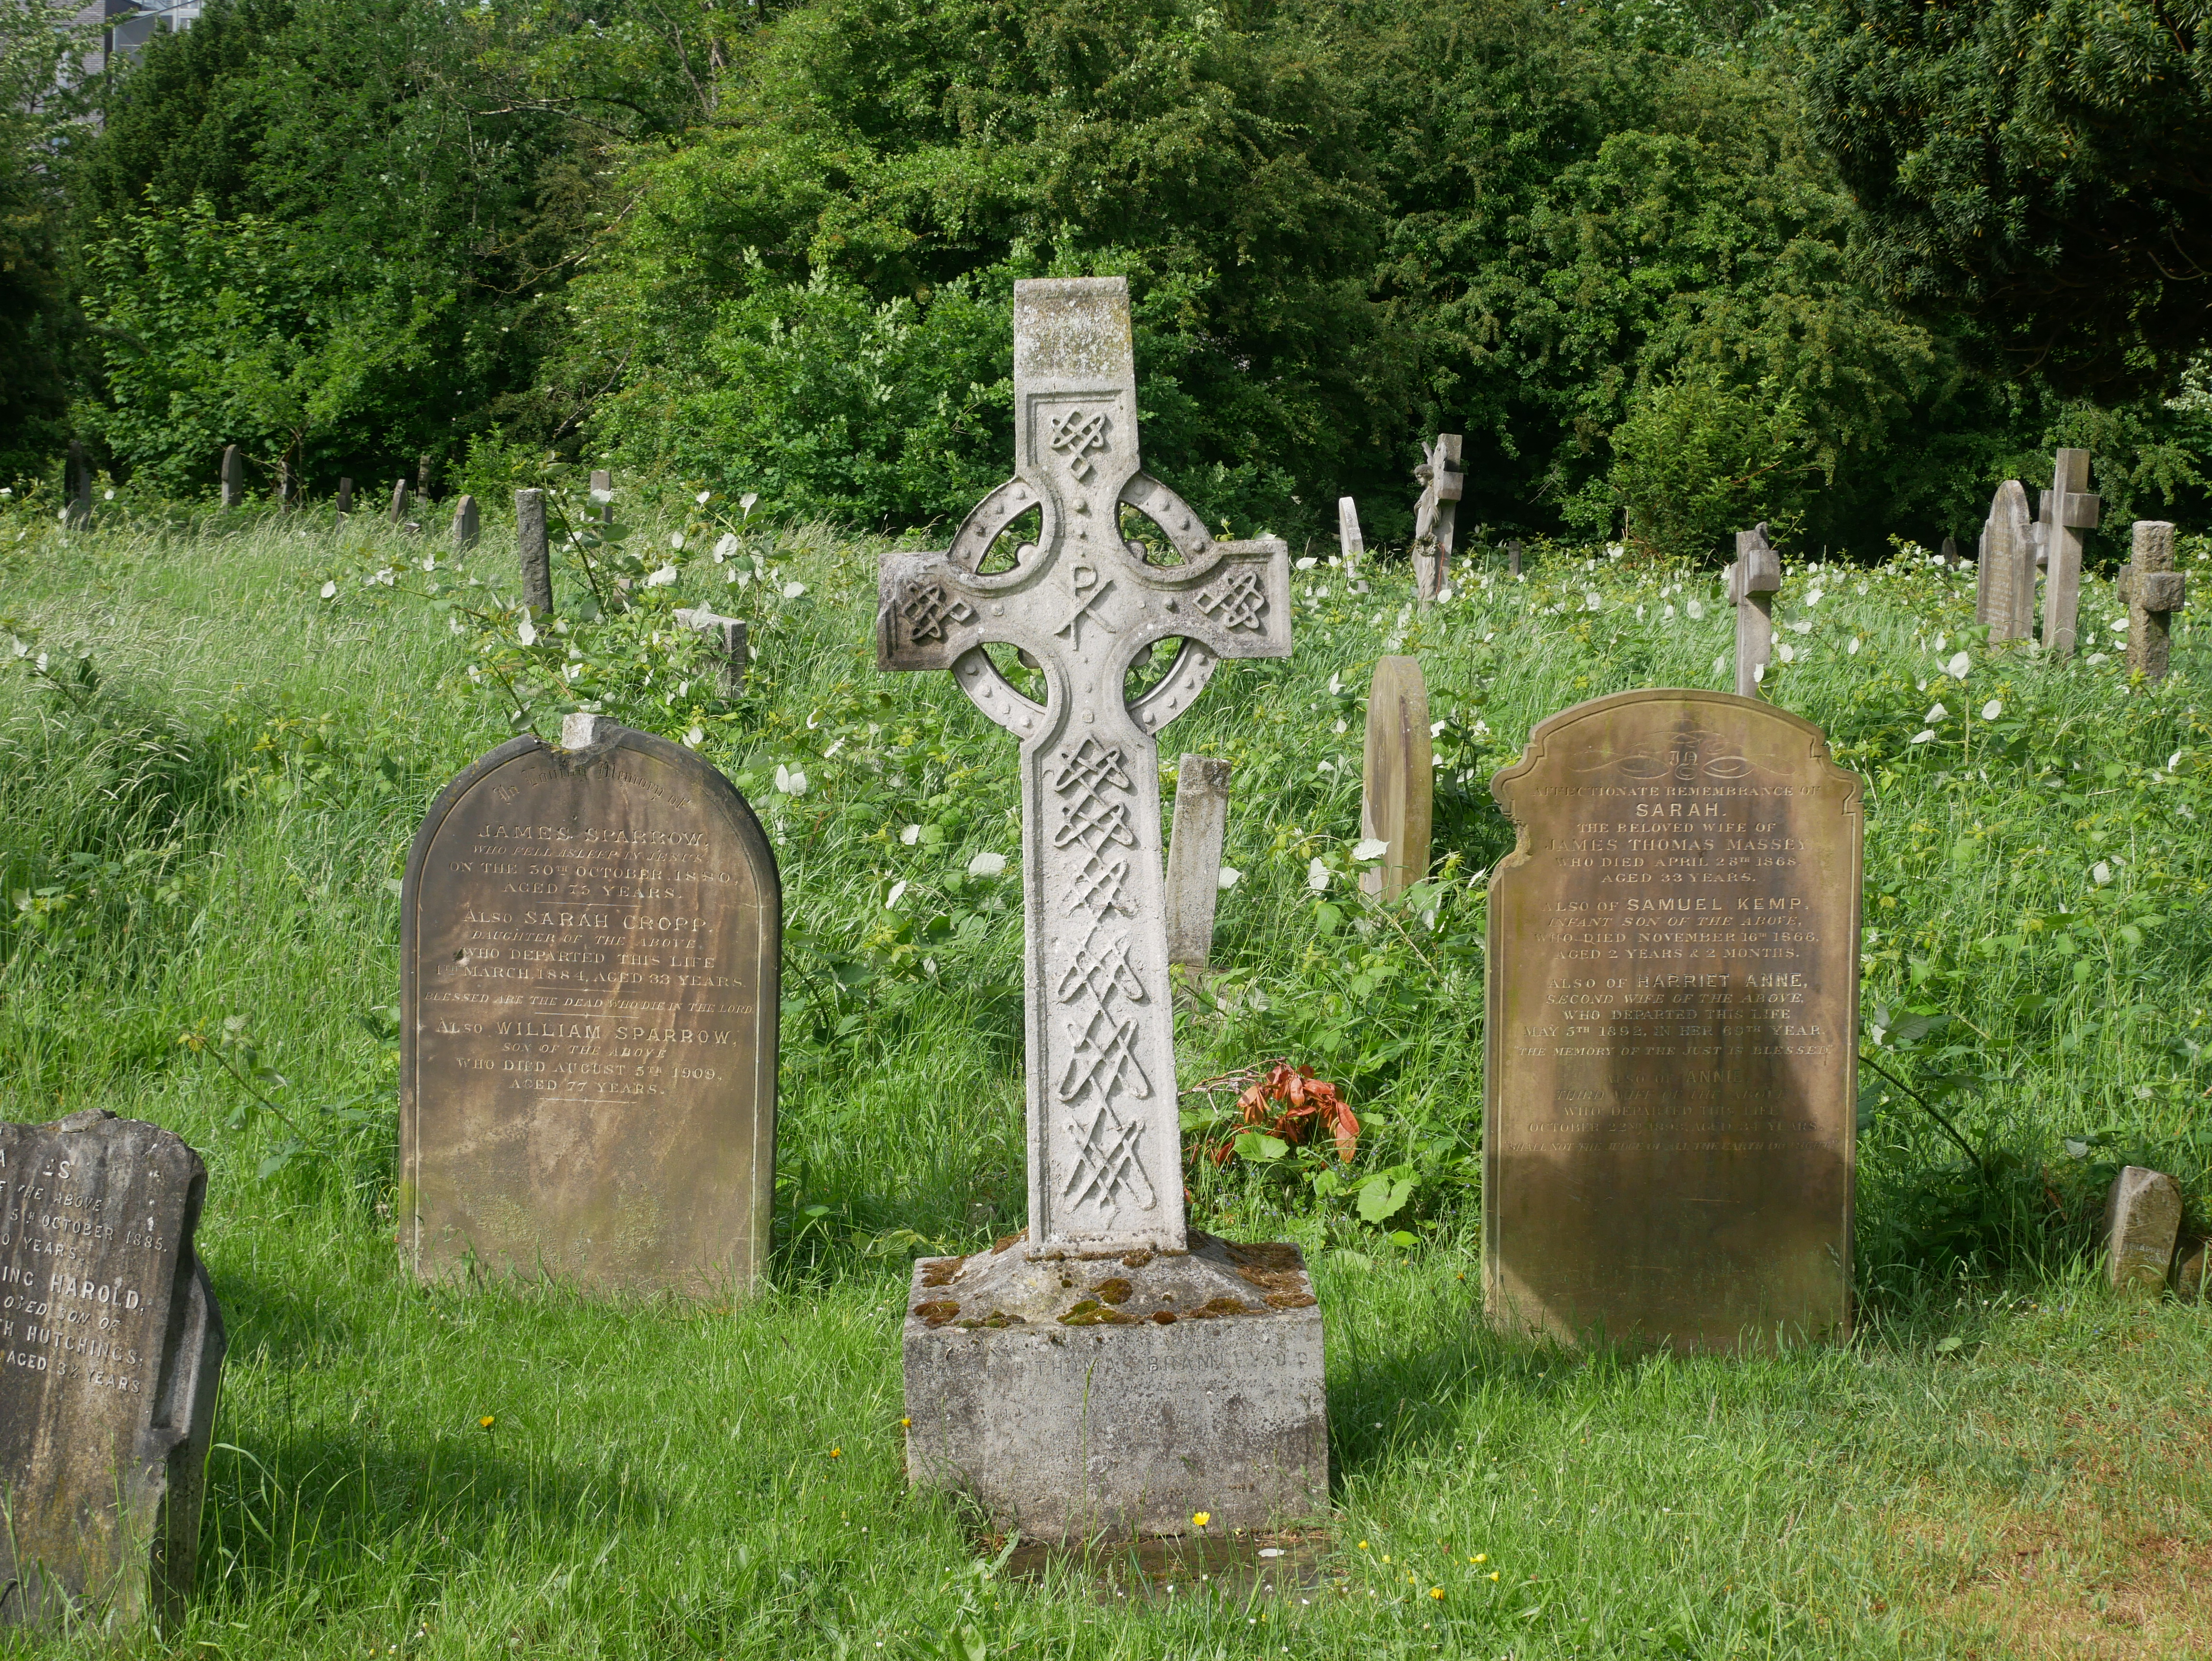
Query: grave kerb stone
(1194, 845)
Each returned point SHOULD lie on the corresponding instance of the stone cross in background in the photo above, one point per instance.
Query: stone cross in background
(1753, 582)
(2004, 585)
(234, 477)
(398, 502)
(465, 526)
(79, 481)
(1201, 826)
(1104, 1139)
(2154, 592)
(1349, 541)
(2070, 509)
(1435, 515)
(537, 558)
(1397, 778)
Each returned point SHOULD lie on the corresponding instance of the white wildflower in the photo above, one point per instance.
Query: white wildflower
(987, 865)
(1992, 709)
(1317, 876)
(794, 590)
(330, 591)
(898, 892)
(1229, 877)
(1371, 847)
(526, 632)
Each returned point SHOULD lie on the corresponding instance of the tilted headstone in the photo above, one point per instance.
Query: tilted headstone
(1080, 1381)
(2068, 511)
(603, 484)
(234, 477)
(1672, 1027)
(111, 1349)
(1397, 802)
(399, 501)
(1753, 582)
(590, 940)
(1435, 515)
(2142, 1222)
(345, 497)
(79, 482)
(726, 642)
(465, 526)
(1194, 887)
(1349, 542)
(2153, 592)
(2005, 585)
(537, 557)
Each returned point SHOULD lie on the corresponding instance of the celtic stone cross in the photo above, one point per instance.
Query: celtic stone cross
(1087, 604)
(1435, 515)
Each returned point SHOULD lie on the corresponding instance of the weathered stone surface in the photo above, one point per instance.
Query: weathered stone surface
(78, 481)
(1753, 582)
(399, 501)
(1397, 802)
(1672, 1013)
(1349, 542)
(589, 956)
(603, 487)
(345, 497)
(2068, 510)
(2142, 1220)
(2192, 1278)
(234, 477)
(1097, 1395)
(725, 638)
(1193, 888)
(537, 558)
(110, 1348)
(1436, 516)
(2005, 585)
(465, 526)
(2154, 592)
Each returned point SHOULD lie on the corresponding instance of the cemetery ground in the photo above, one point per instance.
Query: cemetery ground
(210, 776)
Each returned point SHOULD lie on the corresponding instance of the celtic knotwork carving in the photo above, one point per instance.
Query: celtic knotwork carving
(1099, 970)
(1238, 602)
(1106, 1162)
(1097, 887)
(1075, 435)
(926, 608)
(1105, 1058)
(1090, 817)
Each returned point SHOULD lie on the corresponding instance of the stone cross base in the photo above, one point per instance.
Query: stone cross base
(1083, 1398)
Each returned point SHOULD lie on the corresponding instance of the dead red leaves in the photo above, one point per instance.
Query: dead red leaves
(1288, 1102)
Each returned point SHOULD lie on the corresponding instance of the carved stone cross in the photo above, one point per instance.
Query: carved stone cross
(2153, 591)
(1104, 1141)
(1753, 582)
(1436, 516)
(2068, 510)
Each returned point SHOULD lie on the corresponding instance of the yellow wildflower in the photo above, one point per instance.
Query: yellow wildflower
(1198, 1520)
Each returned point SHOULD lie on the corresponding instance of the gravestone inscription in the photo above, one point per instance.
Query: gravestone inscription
(590, 937)
(111, 1349)
(1673, 1015)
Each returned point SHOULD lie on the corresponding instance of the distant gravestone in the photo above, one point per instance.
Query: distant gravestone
(2142, 1221)
(537, 558)
(79, 483)
(2153, 592)
(603, 486)
(1672, 1022)
(590, 940)
(2068, 510)
(1349, 542)
(1753, 582)
(1950, 555)
(345, 497)
(465, 526)
(725, 644)
(1397, 778)
(2005, 585)
(110, 1348)
(1194, 843)
(1513, 558)
(1435, 515)
(234, 477)
(425, 479)
(398, 503)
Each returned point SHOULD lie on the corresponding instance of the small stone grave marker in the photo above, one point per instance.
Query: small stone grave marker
(2153, 592)
(2142, 1222)
(602, 485)
(110, 1348)
(1435, 515)
(2004, 585)
(727, 644)
(79, 481)
(345, 497)
(287, 495)
(465, 526)
(1349, 542)
(1670, 1111)
(399, 502)
(234, 477)
(1201, 826)
(1513, 558)
(589, 948)
(2068, 510)
(1397, 802)
(537, 558)
(1753, 582)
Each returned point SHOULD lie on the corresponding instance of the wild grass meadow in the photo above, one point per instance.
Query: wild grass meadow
(218, 734)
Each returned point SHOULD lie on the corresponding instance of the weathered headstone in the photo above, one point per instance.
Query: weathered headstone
(1435, 515)
(465, 526)
(1513, 558)
(111, 1349)
(1753, 582)
(345, 497)
(1950, 555)
(398, 503)
(1672, 1021)
(234, 477)
(2005, 584)
(2068, 510)
(1349, 542)
(1193, 886)
(79, 483)
(1397, 801)
(425, 479)
(537, 558)
(589, 958)
(2153, 592)
(2142, 1221)
(287, 495)
(725, 642)
(603, 484)
(1113, 1372)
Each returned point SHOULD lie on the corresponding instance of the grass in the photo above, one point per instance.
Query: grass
(2005, 1460)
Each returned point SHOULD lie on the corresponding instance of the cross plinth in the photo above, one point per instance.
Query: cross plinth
(1753, 582)
(1436, 516)
(1104, 1139)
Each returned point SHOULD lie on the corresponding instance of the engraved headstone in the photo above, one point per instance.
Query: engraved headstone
(2005, 585)
(2153, 591)
(1672, 1021)
(465, 526)
(537, 558)
(1349, 542)
(1435, 515)
(1201, 826)
(1753, 582)
(1114, 1371)
(2142, 1221)
(111, 1349)
(234, 477)
(589, 955)
(1397, 802)
(2068, 510)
